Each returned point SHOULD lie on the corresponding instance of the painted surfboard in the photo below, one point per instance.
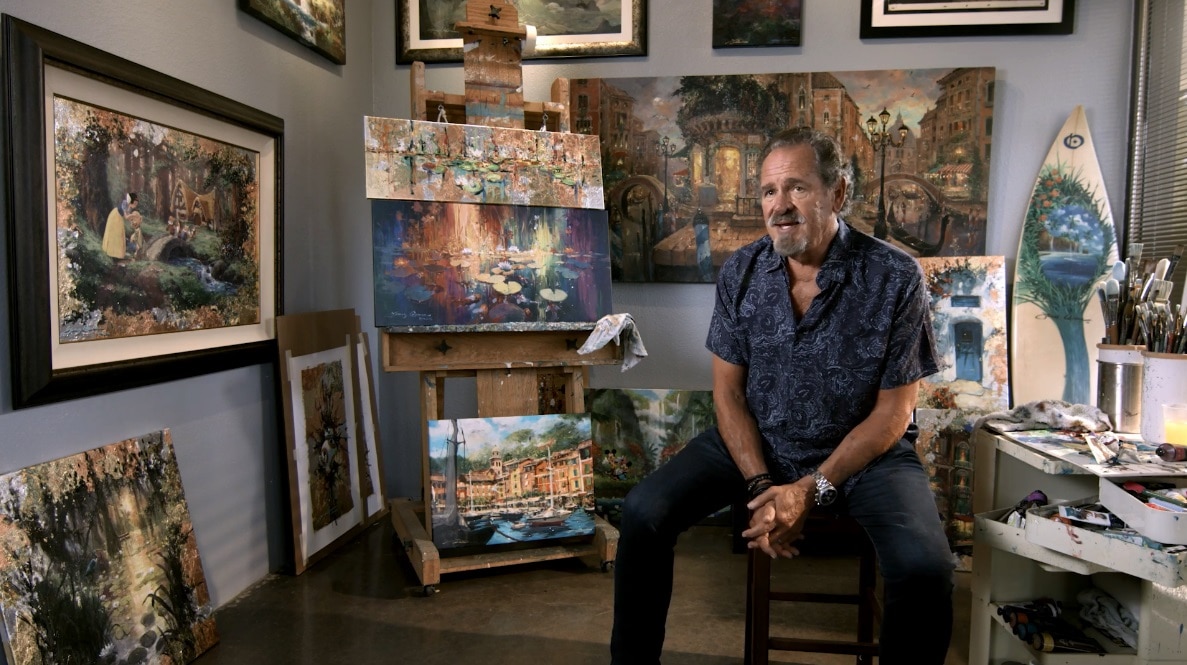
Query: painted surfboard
(1067, 248)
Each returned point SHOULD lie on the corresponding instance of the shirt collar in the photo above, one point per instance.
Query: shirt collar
(833, 268)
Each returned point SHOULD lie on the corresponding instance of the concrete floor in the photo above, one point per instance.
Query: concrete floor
(361, 605)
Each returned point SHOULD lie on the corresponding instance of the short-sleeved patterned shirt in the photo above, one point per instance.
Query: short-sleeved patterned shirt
(810, 381)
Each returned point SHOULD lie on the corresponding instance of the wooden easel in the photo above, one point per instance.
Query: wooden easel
(509, 367)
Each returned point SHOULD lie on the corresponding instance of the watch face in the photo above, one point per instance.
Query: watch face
(826, 496)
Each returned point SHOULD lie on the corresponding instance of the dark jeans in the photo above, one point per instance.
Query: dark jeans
(892, 501)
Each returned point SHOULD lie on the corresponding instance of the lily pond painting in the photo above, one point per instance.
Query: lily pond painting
(636, 431)
(99, 561)
(462, 264)
(157, 229)
(510, 481)
(438, 161)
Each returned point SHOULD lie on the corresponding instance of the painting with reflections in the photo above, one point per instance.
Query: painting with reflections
(460, 264)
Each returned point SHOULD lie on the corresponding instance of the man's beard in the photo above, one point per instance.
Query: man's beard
(788, 247)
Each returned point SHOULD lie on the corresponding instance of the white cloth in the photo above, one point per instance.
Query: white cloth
(1048, 414)
(1107, 615)
(620, 328)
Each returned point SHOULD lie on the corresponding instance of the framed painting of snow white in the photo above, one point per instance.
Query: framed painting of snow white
(144, 223)
(318, 24)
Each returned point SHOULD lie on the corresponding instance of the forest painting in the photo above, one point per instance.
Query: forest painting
(329, 502)
(756, 23)
(468, 264)
(318, 24)
(157, 229)
(968, 315)
(503, 482)
(680, 159)
(945, 447)
(637, 431)
(99, 561)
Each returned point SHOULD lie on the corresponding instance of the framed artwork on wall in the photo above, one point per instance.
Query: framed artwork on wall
(144, 222)
(927, 18)
(740, 23)
(318, 24)
(424, 29)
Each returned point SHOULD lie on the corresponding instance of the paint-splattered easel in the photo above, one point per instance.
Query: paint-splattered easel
(517, 372)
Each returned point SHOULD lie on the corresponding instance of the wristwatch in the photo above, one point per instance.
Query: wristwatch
(826, 493)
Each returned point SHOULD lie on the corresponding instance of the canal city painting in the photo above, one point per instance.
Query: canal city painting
(680, 159)
(507, 482)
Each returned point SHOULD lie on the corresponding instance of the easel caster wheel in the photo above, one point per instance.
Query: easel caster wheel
(428, 590)
(607, 566)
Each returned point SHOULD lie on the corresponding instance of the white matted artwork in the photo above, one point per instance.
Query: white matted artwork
(369, 467)
(968, 310)
(323, 448)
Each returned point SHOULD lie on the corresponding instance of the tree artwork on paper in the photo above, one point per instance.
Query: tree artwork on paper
(327, 443)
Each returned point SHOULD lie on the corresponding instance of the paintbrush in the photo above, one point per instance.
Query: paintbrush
(1112, 291)
(1174, 260)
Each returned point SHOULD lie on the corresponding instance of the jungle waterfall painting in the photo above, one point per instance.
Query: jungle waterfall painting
(503, 482)
(157, 229)
(464, 264)
(99, 561)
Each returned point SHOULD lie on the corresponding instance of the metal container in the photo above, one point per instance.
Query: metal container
(1119, 394)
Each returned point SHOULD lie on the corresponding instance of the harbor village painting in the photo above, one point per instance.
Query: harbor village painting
(468, 264)
(98, 560)
(636, 431)
(502, 482)
(157, 229)
(680, 159)
(968, 315)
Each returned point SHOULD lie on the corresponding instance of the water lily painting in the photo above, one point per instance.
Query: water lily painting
(636, 431)
(510, 481)
(438, 161)
(318, 24)
(463, 264)
(98, 560)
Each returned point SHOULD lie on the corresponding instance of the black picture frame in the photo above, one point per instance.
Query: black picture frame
(279, 15)
(412, 46)
(886, 19)
(28, 51)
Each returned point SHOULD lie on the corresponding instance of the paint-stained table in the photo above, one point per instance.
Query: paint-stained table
(1048, 559)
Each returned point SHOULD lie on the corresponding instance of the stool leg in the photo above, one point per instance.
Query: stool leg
(758, 608)
(867, 596)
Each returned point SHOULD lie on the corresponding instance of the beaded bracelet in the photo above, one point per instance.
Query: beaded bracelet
(758, 484)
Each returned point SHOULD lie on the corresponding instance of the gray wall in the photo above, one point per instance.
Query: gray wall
(224, 425)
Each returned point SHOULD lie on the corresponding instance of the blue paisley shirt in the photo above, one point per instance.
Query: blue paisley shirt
(810, 381)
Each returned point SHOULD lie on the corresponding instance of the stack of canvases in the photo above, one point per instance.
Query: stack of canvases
(485, 229)
(99, 562)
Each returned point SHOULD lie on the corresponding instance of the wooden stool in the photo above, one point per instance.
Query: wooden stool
(820, 527)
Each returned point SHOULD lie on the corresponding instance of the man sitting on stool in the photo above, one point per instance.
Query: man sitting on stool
(820, 335)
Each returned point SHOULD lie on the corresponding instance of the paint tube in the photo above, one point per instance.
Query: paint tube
(1170, 452)
(1049, 642)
